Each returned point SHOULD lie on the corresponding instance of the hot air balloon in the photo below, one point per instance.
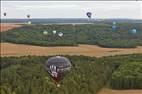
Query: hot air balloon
(89, 14)
(114, 23)
(57, 67)
(4, 13)
(133, 31)
(54, 31)
(45, 32)
(114, 27)
(60, 34)
(28, 16)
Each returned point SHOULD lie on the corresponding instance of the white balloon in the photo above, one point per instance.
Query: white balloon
(29, 22)
(60, 34)
(45, 32)
(73, 24)
(54, 31)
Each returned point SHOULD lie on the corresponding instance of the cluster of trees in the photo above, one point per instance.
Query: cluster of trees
(127, 76)
(98, 33)
(27, 75)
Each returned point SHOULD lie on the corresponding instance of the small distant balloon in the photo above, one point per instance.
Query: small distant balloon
(60, 34)
(4, 13)
(134, 31)
(89, 14)
(45, 32)
(73, 24)
(113, 27)
(114, 23)
(28, 16)
(29, 22)
(54, 31)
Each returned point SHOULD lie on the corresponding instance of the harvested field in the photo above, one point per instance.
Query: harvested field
(9, 49)
(8, 26)
(109, 91)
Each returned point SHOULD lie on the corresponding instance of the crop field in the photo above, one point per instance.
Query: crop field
(6, 27)
(9, 49)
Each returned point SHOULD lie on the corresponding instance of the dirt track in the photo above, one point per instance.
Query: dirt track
(9, 49)
(109, 91)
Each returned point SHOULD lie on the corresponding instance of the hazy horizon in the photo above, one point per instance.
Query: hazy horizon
(72, 9)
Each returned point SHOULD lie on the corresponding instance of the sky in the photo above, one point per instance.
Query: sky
(72, 9)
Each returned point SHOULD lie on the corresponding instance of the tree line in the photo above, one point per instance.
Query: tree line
(27, 75)
(97, 34)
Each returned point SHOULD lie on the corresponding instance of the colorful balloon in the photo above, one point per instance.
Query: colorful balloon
(57, 67)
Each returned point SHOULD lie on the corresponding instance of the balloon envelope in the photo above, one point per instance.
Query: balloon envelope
(28, 16)
(4, 14)
(113, 27)
(89, 14)
(57, 67)
(54, 31)
(60, 34)
(29, 22)
(114, 23)
(45, 32)
(134, 31)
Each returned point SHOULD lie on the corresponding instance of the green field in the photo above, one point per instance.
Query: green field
(95, 34)
(26, 75)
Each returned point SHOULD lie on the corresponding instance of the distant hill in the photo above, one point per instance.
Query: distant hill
(68, 20)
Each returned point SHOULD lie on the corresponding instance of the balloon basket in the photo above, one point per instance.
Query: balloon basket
(58, 85)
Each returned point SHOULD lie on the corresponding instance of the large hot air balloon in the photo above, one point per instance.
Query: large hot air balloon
(89, 14)
(57, 67)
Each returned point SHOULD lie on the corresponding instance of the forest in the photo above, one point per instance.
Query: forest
(100, 33)
(127, 76)
(27, 75)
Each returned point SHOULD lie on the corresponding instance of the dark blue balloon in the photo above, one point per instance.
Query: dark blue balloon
(5, 14)
(114, 27)
(89, 14)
